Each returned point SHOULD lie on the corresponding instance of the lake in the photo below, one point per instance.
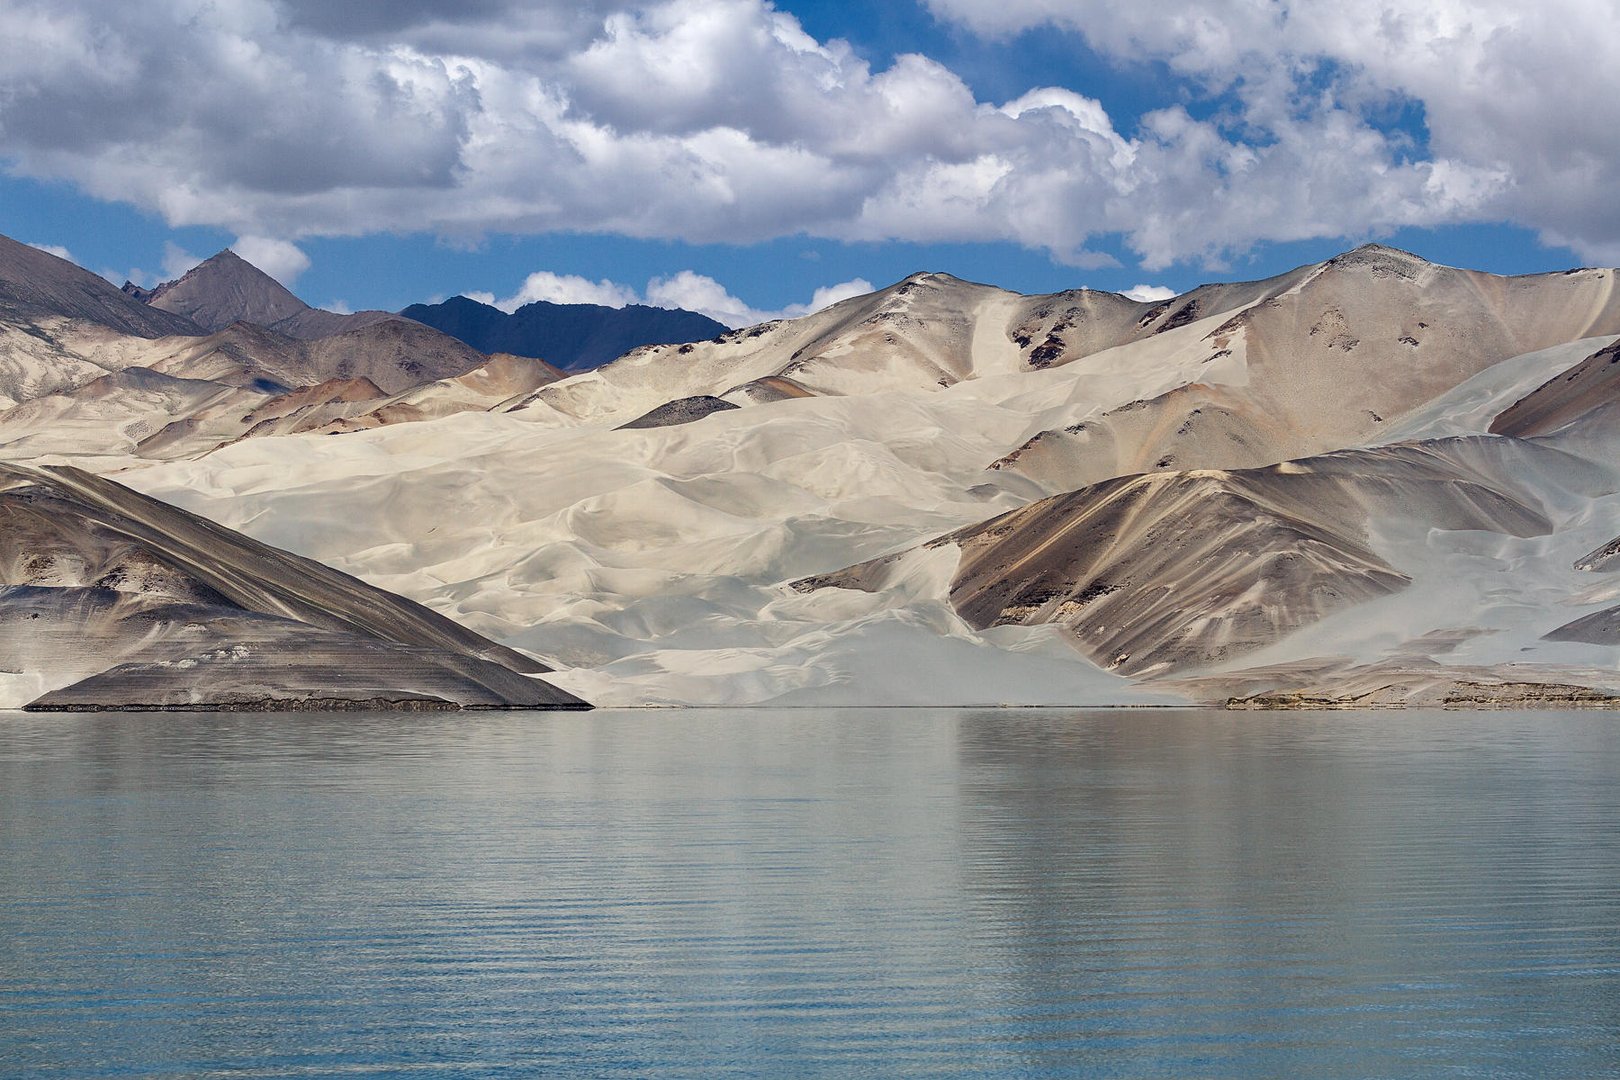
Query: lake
(998, 893)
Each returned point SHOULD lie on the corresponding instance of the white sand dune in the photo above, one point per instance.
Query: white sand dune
(670, 545)
(655, 565)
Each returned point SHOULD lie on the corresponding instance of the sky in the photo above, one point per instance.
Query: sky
(752, 159)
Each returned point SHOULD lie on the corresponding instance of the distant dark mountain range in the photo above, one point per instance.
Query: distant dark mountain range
(569, 336)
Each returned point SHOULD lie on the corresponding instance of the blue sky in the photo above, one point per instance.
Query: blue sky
(744, 158)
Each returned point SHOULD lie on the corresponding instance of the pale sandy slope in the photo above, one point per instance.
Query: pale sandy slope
(109, 599)
(87, 370)
(188, 396)
(658, 559)
(657, 563)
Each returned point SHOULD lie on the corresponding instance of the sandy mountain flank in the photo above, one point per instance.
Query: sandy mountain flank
(109, 599)
(1362, 480)
(57, 321)
(1167, 571)
(89, 371)
(656, 563)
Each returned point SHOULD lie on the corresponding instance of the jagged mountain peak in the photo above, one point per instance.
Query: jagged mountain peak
(226, 289)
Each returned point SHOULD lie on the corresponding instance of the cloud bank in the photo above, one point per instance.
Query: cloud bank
(723, 120)
(686, 289)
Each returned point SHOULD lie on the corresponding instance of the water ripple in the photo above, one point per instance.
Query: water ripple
(809, 893)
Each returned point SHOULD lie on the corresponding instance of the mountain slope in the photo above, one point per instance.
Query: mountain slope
(1227, 376)
(60, 325)
(111, 599)
(1164, 571)
(37, 286)
(396, 354)
(930, 332)
(63, 331)
(503, 379)
(570, 336)
(1590, 387)
(227, 289)
(178, 396)
(1376, 333)
(222, 290)
(1333, 419)
(302, 346)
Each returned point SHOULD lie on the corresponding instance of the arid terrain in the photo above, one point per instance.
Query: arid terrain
(1369, 481)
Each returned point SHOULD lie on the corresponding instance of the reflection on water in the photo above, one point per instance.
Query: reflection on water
(798, 893)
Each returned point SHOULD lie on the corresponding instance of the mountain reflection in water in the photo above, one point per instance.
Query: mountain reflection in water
(806, 892)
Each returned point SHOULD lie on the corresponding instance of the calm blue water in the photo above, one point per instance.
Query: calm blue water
(806, 893)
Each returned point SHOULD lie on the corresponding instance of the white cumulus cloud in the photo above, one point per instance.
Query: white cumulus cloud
(685, 289)
(281, 259)
(703, 294)
(177, 260)
(55, 249)
(1508, 94)
(566, 289)
(828, 295)
(1148, 294)
(725, 121)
